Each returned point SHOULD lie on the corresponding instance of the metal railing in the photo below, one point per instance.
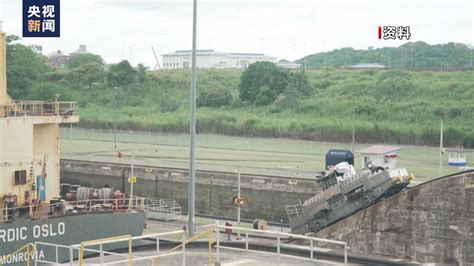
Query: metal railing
(40, 211)
(212, 231)
(218, 228)
(295, 209)
(28, 255)
(114, 258)
(167, 209)
(38, 108)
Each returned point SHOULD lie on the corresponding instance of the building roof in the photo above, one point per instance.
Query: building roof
(260, 54)
(197, 51)
(458, 149)
(379, 150)
(368, 65)
(214, 52)
(338, 152)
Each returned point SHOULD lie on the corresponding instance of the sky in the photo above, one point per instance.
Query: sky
(286, 29)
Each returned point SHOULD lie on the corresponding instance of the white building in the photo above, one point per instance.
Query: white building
(213, 59)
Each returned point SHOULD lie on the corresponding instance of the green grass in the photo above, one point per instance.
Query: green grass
(391, 106)
(285, 157)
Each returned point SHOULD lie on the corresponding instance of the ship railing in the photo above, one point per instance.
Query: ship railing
(38, 108)
(160, 208)
(43, 210)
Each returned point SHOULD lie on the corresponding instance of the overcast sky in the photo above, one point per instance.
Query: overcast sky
(290, 29)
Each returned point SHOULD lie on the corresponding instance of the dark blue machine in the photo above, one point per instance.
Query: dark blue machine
(335, 156)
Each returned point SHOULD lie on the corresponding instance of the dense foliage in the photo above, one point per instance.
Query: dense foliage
(417, 55)
(391, 106)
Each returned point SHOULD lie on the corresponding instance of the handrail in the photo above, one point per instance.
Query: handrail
(135, 203)
(99, 241)
(38, 108)
(27, 246)
(218, 227)
(213, 232)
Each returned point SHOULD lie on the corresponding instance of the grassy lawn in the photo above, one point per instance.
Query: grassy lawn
(283, 157)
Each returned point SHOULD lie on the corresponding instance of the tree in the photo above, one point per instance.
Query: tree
(78, 60)
(299, 81)
(24, 67)
(11, 38)
(214, 97)
(121, 74)
(86, 75)
(265, 96)
(290, 97)
(262, 75)
(142, 73)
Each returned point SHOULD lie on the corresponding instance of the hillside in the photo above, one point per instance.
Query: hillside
(391, 106)
(413, 55)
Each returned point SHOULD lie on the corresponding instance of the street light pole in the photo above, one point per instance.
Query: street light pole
(353, 121)
(115, 118)
(238, 206)
(131, 185)
(324, 58)
(440, 168)
(192, 159)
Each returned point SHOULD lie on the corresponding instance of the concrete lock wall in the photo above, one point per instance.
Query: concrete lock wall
(265, 196)
(433, 222)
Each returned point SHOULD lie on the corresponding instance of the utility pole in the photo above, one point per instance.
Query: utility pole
(441, 150)
(389, 55)
(115, 118)
(401, 58)
(70, 139)
(192, 159)
(131, 183)
(324, 58)
(353, 120)
(238, 206)
(471, 54)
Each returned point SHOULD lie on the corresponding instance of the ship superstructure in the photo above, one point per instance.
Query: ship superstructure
(29, 144)
(34, 206)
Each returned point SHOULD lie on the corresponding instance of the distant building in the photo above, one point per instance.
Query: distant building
(379, 155)
(367, 66)
(288, 64)
(82, 50)
(213, 59)
(59, 59)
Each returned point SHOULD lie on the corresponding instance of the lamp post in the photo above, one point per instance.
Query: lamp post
(192, 159)
(238, 206)
(353, 121)
(115, 117)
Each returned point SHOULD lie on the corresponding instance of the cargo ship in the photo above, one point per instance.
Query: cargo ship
(33, 205)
